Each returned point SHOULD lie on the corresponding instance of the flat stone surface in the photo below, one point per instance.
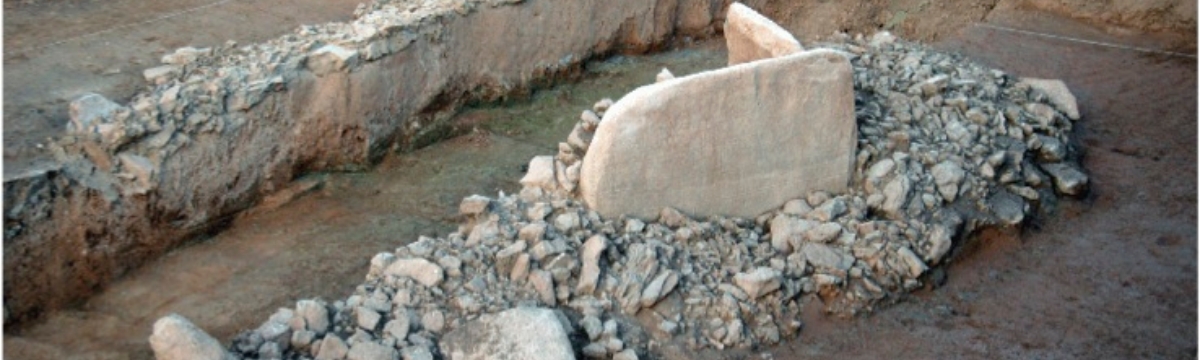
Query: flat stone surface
(736, 141)
(750, 36)
(519, 333)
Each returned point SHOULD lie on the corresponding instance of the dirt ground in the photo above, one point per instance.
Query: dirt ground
(1111, 276)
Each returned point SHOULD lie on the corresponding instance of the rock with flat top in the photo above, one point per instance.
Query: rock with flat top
(706, 143)
(750, 36)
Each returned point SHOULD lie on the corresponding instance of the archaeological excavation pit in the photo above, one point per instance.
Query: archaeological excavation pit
(704, 201)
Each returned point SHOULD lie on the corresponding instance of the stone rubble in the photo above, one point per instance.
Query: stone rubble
(620, 287)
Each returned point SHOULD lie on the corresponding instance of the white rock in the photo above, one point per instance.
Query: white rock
(159, 75)
(825, 256)
(519, 333)
(660, 287)
(370, 350)
(421, 270)
(797, 207)
(434, 321)
(896, 193)
(332, 348)
(664, 75)
(916, 267)
(947, 175)
(758, 282)
(315, 314)
(416, 353)
(627, 354)
(1058, 93)
(824, 233)
(787, 233)
(176, 338)
(543, 283)
(590, 256)
(398, 328)
(185, 55)
(567, 222)
(331, 58)
(541, 173)
(89, 110)
(367, 318)
(474, 205)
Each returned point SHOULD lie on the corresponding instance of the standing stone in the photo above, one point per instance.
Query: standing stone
(705, 144)
(592, 249)
(750, 36)
(176, 338)
(520, 333)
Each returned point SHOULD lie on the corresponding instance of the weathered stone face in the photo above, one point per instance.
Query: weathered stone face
(749, 36)
(736, 141)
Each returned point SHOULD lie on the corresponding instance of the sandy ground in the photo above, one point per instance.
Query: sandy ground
(1111, 276)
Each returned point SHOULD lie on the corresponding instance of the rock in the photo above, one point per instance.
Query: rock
(543, 283)
(627, 354)
(90, 110)
(1067, 179)
(331, 58)
(579, 139)
(897, 192)
(916, 267)
(1043, 114)
(367, 319)
(421, 270)
(369, 350)
(758, 282)
(301, 339)
(592, 326)
(602, 105)
(634, 226)
(828, 210)
(434, 321)
(520, 269)
(1051, 150)
(939, 244)
(882, 38)
(474, 205)
(416, 353)
(141, 170)
(827, 257)
(332, 348)
(159, 75)
(567, 222)
(796, 207)
(595, 351)
(947, 175)
(315, 314)
(533, 232)
(590, 256)
(1009, 208)
(811, 112)
(452, 265)
(519, 333)
(1058, 93)
(664, 75)
(660, 287)
(185, 55)
(749, 36)
(540, 174)
(880, 169)
(398, 328)
(176, 338)
(787, 232)
(824, 233)
(590, 120)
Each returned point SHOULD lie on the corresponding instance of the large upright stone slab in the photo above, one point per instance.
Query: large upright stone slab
(750, 36)
(735, 141)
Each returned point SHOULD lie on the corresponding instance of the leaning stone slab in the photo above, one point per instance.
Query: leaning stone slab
(750, 36)
(737, 141)
(520, 333)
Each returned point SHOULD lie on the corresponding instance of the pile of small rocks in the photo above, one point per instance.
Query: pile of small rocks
(946, 147)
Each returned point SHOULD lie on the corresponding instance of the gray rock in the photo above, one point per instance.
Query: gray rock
(788, 233)
(301, 339)
(315, 314)
(595, 351)
(828, 210)
(176, 338)
(1058, 93)
(827, 257)
(474, 205)
(332, 348)
(331, 58)
(89, 110)
(159, 75)
(416, 353)
(634, 226)
(824, 233)
(660, 287)
(627, 354)
(948, 175)
(369, 350)
(1068, 180)
(520, 269)
(421, 270)
(1009, 208)
(796, 207)
(1052, 150)
(519, 333)
(916, 267)
(590, 256)
(758, 282)
(592, 326)
(367, 318)
(939, 244)
(434, 321)
(567, 222)
(398, 328)
(533, 233)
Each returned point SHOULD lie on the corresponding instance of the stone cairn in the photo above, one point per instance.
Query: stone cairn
(945, 147)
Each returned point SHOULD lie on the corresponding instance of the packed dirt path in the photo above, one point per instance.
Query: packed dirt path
(55, 51)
